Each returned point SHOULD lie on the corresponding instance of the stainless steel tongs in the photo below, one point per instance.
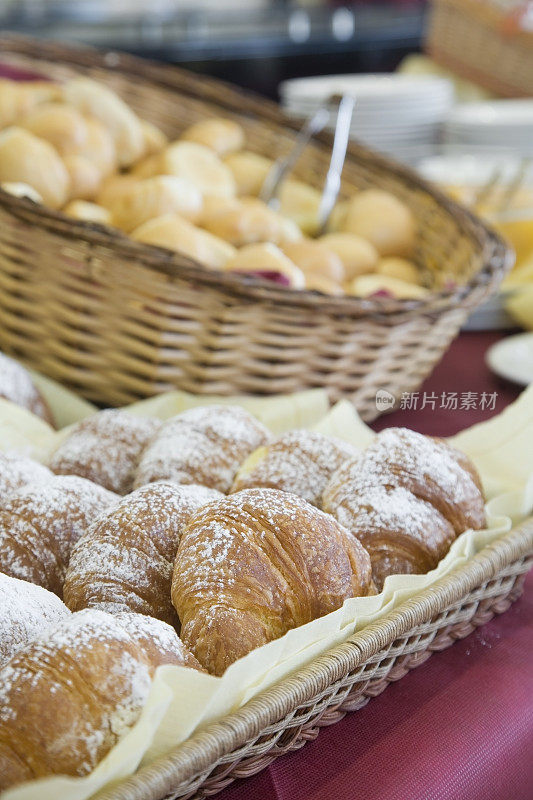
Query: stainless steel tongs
(283, 166)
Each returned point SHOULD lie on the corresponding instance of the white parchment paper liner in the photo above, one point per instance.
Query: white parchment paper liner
(182, 700)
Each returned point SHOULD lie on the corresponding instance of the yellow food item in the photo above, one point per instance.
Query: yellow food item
(24, 158)
(199, 165)
(85, 177)
(224, 136)
(153, 197)
(266, 257)
(315, 259)
(154, 138)
(61, 125)
(383, 220)
(398, 268)
(249, 171)
(519, 304)
(248, 221)
(367, 285)
(114, 188)
(175, 233)
(358, 255)
(99, 147)
(88, 212)
(21, 190)
(300, 203)
(18, 98)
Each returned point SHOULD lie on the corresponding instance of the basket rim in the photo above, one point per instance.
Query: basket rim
(497, 257)
(205, 747)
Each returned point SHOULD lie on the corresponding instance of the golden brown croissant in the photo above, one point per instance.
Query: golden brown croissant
(203, 445)
(90, 678)
(299, 461)
(257, 564)
(26, 611)
(406, 498)
(17, 386)
(105, 448)
(18, 471)
(124, 561)
(40, 523)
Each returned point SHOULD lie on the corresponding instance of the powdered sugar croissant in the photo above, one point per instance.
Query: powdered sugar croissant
(90, 678)
(256, 564)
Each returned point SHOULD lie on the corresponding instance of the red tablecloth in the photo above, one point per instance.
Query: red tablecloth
(460, 727)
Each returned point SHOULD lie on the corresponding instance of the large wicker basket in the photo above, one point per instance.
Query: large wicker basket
(287, 716)
(483, 43)
(117, 321)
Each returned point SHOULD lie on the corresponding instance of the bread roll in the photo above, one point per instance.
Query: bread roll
(87, 212)
(314, 258)
(100, 102)
(175, 233)
(105, 448)
(17, 386)
(17, 471)
(114, 188)
(320, 283)
(18, 98)
(250, 221)
(26, 612)
(224, 136)
(21, 190)
(383, 220)
(299, 461)
(99, 147)
(61, 125)
(249, 171)
(368, 285)
(203, 445)
(124, 561)
(154, 197)
(85, 177)
(256, 564)
(358, 256)
(90, 679)
(154, 138)
(199, 165)
(398, 268)
(300, 203)
(40, 523)
(24, 158)
(266, 260)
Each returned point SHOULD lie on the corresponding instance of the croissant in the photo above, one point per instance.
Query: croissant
(26, 611)
(17, 386)
(105, 448)
(256, 564)
(124, 561)
(90, 678)
(17, 471)
(95, 99)
(24, 158)
(406, 498)
(203, 445)
(40, 523)
(153, 197)
(221, 135)
(300, 461)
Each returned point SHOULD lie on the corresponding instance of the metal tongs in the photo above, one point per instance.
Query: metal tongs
(313, 125)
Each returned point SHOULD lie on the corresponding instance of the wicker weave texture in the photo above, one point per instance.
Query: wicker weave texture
(465, 37)
(285, 717)
(117, 321)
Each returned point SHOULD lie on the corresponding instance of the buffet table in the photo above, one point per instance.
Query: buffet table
(461, 725)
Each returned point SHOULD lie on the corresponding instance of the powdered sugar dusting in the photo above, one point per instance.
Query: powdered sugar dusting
(300, 461)
(17, 386)
(105, 448)
(203, 445)
(17, 471)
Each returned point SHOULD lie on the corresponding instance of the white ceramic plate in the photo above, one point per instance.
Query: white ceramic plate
(512, 358)
(392, 87)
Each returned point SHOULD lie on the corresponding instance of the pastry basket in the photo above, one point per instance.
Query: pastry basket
(484, 42)
(284, 718)
(116, 320)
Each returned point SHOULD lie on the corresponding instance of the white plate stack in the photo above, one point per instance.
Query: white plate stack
(399, 115)
(497, 126)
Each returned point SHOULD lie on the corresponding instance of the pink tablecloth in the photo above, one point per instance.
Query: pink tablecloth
(460, 727)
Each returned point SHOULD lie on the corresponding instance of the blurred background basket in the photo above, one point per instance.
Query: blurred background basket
(485, 41)
(116, 320)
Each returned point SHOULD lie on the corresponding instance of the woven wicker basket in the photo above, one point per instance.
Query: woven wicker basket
(480, 42)
(284, 718)
(117, 321)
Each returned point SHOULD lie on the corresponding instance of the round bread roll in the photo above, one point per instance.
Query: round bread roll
(87, 212)
(300, 203)
(154, 138)
(97, 100)
(383, 220)
(175, 233)
(320, 283)
(358, 256)
(17, 386)
(61, 125)
(337, 217)
(147, 167)
(21, 190)
(19, 98)
(266, 260)
(249, 171)
(368, 285)
(154, 197)
(105, 448)
(17, 471)
(199, 165)
(85, 177)
(24, 158)
(224, 136)
(398, 268)
(99, 147)
(114, 188)
(315, 260)
(249, 221)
